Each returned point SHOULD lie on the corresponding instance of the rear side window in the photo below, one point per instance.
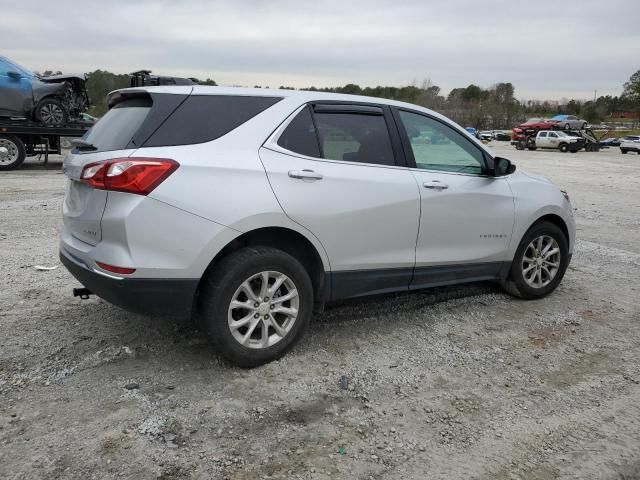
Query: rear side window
(354, 137)
(300, 135)
(202, 118)
(117, 127)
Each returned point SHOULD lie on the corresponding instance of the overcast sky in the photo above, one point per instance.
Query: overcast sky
(548, 50)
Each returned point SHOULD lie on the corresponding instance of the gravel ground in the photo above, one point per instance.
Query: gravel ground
(462, 382)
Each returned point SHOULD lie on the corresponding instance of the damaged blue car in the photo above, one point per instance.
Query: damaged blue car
(52, 100)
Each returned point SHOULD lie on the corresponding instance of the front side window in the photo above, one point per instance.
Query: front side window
(553, 135)
(354, 137)
(436, 146)
(543, 134)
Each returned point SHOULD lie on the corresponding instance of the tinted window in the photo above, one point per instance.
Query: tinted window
(202, 118)
(553, 135)
(543, 134)
(115, 130)
(354, 137)
(436, 146)
(300, 135)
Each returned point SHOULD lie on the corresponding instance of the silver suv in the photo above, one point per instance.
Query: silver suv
(252, 208)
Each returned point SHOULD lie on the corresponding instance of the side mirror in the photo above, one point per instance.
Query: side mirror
(13, 75)
(502, 166)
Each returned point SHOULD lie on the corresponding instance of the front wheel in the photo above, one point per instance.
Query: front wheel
(540, 262)
(624, 151)
(563, 147)
(255, 305)
(51, 111)
(12, 152)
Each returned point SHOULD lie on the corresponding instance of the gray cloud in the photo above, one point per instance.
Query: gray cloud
(564, 49)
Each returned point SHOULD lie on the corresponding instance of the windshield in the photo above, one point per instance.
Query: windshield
(18, 68)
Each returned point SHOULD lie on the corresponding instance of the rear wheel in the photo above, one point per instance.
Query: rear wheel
(540, 262)
(566, 126)
(563, 147)
(50, 111)
(255, 305)
(12, 152)
(584, 126)
(623, 151)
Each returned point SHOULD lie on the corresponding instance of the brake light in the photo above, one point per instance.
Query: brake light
(114, 269)
(139, 175)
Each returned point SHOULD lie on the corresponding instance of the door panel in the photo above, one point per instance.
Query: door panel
(365, 216)
(466, 216)
(469, 221)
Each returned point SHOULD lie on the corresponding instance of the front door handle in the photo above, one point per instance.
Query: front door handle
(435, 185)
(305, 174)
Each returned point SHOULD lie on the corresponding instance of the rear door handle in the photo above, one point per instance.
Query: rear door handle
(435, 185)
(303, 174)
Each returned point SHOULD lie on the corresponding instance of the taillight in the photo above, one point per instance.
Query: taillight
(137, 175)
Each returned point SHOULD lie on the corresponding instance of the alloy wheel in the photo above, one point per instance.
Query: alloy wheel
(263, 309)
(51, 114)
(541, 261)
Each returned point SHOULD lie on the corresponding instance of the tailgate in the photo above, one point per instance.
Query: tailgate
(84, 205)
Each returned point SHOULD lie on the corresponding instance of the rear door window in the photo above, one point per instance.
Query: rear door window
(300, 135)
(354, 137)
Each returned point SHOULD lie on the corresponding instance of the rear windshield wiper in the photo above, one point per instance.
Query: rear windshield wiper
(82, 145)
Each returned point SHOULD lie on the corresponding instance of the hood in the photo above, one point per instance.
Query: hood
(534, 176)
(61, 78)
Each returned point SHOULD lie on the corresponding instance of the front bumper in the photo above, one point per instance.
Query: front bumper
(157, 296)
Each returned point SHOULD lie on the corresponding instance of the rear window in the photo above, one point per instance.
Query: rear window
(115, 130)
(161, 120)
(202, 118)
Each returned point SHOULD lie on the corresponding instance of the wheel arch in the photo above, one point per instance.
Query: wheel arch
(558, 221)
(290, 241)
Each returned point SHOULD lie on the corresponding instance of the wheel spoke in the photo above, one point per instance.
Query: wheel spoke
(248, 305)
(529, 268)
(279, 330)
(289, 312)
(249, 332)
(264, 288)
(242, 322)
(547, 263)
(246, 288)
(290, 295)
(276, 285)
(550, 253)
(265, 333)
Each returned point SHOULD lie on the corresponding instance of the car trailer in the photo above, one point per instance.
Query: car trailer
(527, 138)
(20, 139)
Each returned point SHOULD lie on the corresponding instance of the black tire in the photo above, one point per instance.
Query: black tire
(563, 147)
(584, 126)
(51, 111)
(16, 150)
(567, 126)
(533, 149)
(516, 283)
(624, 151)
(219, 287)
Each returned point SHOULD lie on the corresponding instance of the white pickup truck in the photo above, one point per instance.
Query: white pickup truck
(558, 140)
(630, 143)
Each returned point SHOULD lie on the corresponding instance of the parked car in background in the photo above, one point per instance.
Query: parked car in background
(630, 143)
(501, 135)
(536, 124)
(610, 142)
(52, 100)
(472, 131)
(324, 207)
(485, 135)
(558, 140)
(568, 122)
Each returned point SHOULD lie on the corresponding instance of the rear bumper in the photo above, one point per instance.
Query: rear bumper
(156, 296)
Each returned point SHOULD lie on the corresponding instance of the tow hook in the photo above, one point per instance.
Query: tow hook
(83, 293)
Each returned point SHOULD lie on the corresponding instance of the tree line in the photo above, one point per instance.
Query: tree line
(495, 107)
